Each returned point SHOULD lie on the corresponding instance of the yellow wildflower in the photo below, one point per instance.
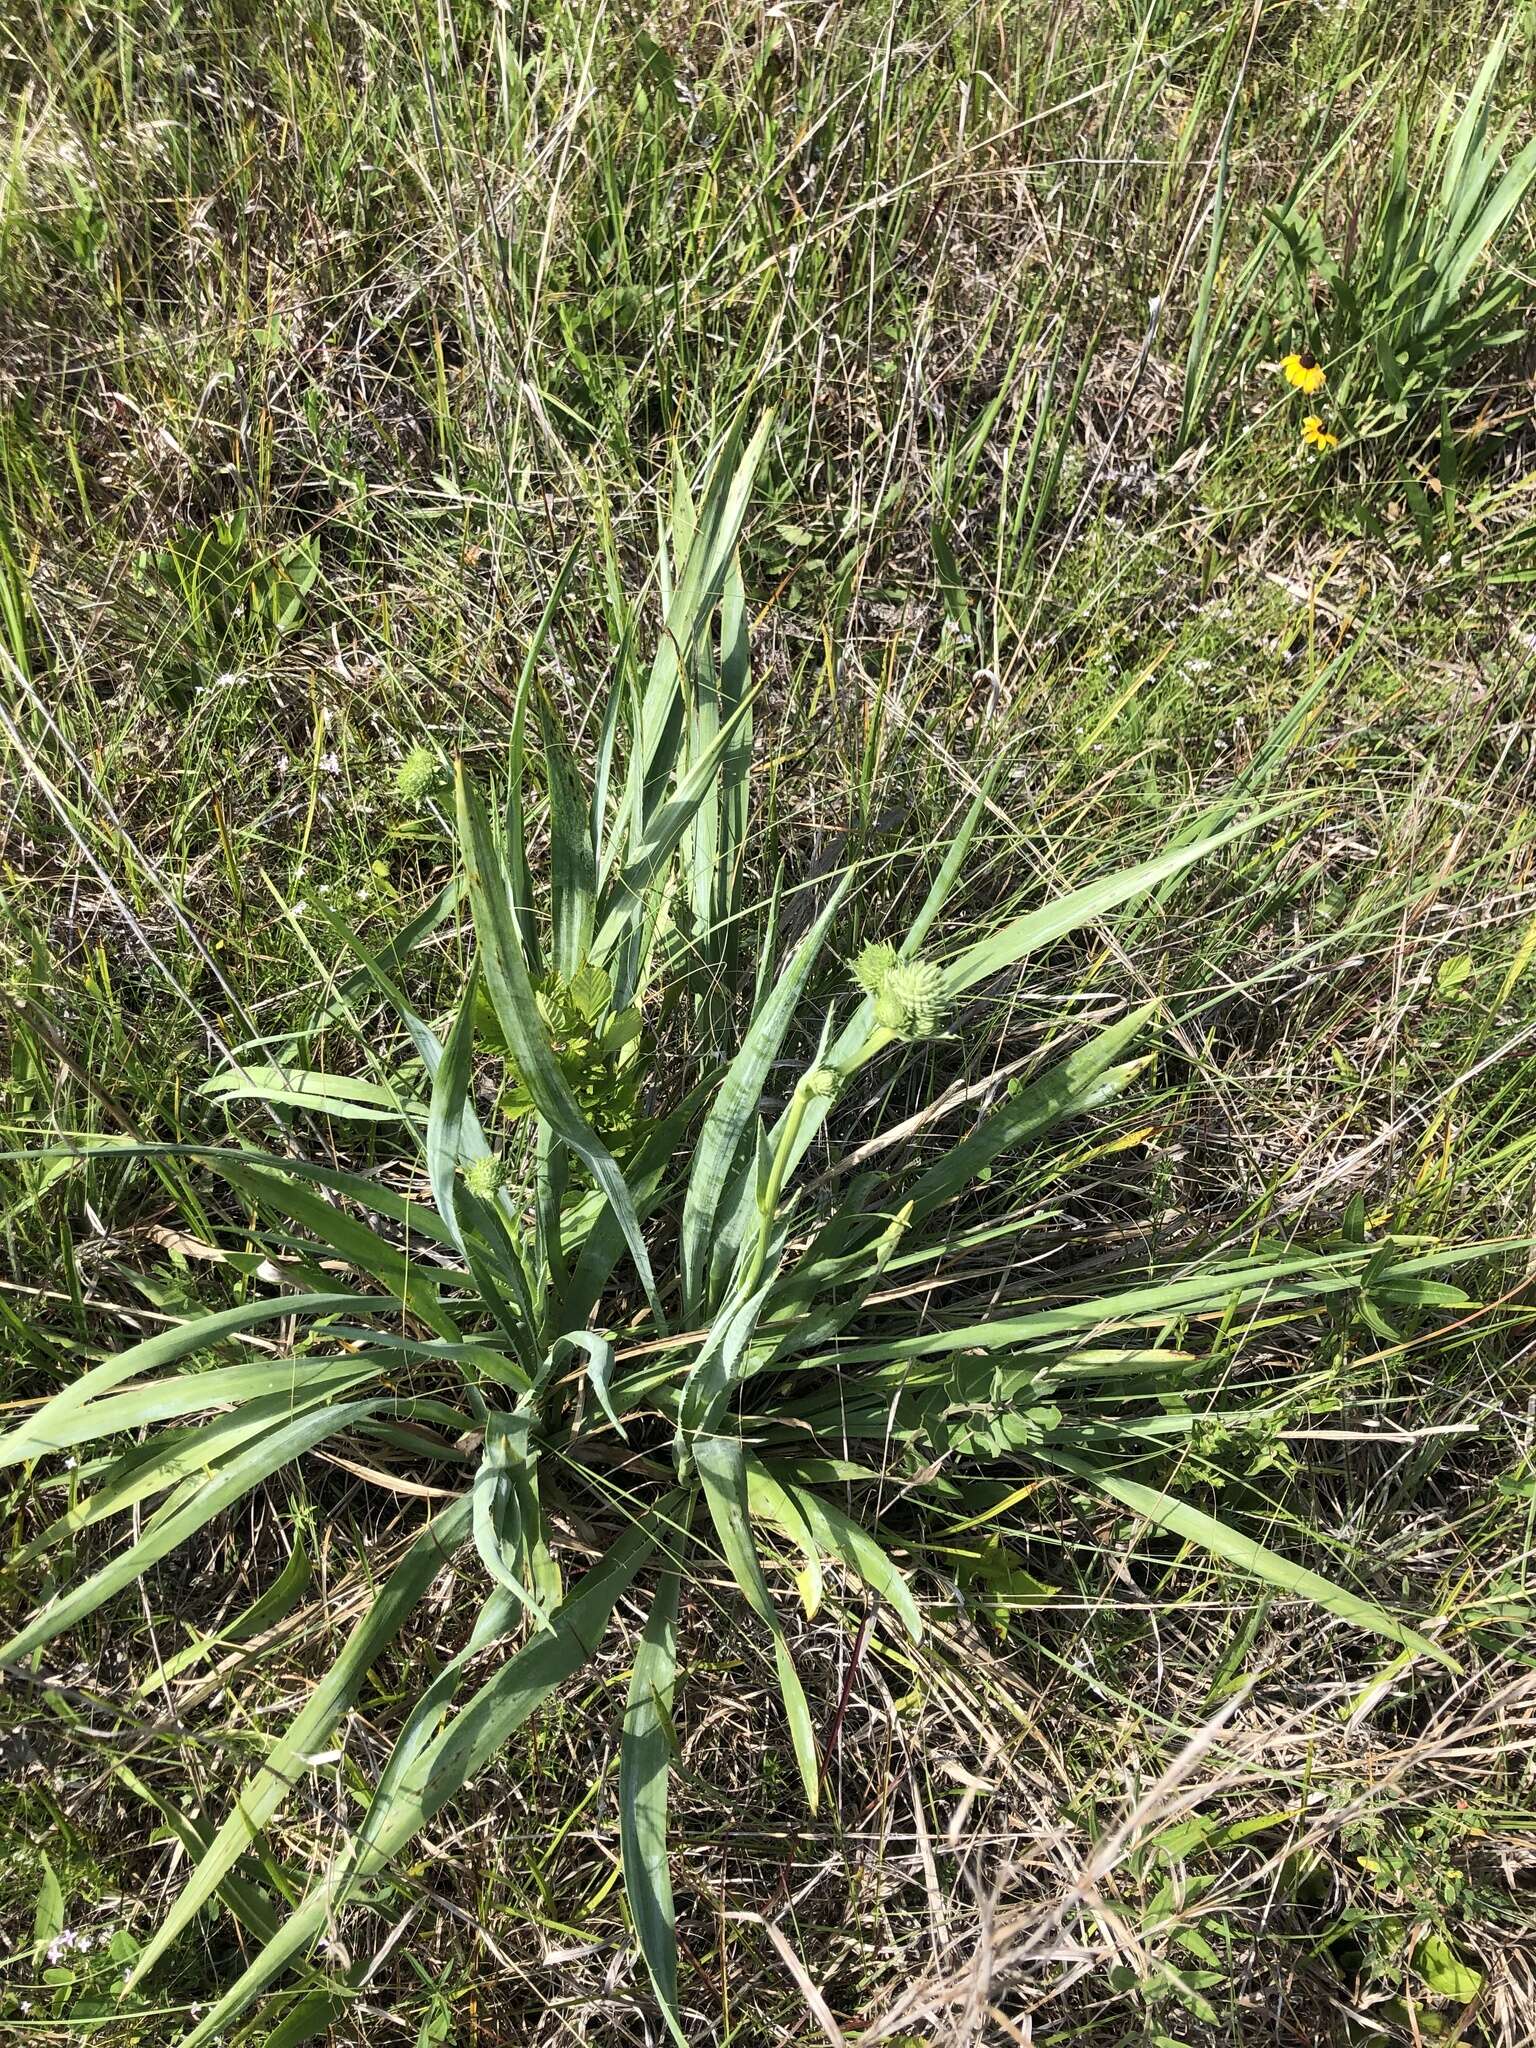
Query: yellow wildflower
(1303, 370)
(1316, 436)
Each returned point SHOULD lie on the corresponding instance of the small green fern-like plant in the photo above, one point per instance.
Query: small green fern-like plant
(629, 1301)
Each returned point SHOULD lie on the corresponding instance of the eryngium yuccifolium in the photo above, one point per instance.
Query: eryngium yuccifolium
(416, 775)
(911, 999)
(821, 1083)
(485, 1177)
(873, 965)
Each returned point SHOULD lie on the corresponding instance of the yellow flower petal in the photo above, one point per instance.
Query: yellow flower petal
(1302, 369)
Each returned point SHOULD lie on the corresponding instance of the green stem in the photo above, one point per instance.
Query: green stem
(768, 1200)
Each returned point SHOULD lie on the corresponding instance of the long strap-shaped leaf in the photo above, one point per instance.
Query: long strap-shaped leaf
(290, 1756)
(649, 1177)
(1065, 914)
(501, 1706)
(734, 1107)
(333, 1095)
(505, 1517)
(710, 542)
(789, 1506)
(519, 880)
(343, 1235)
(1078, 1083)
(1278, 1280)
(511, 991)
(43, 1432)
(721, 1465)
(452, 1112)
(599, 1353)
(1013, 943)
(624, 895)
(714, 1373)
(1179, 1518)
(261, 1392)
(573, 864)
(645, 1757)
(279, 1447)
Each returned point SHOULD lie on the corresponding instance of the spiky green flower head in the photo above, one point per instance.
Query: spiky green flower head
(821, 1083)
(485, 1177)
(873, 965)
(911, 999)
(415, 775)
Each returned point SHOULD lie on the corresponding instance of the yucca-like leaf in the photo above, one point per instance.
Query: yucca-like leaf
(1063, 915)
(645, 1758)
(1235, 1547)
(506, 1518)
(308, 1733)
(722, 1467)
(451, 1111)
(64, 1421)
(705, 1230)
(572, 859)
(717, 1368)
(336, 1095)
(455, 1755)
(258, 1392)
(599, 1354)
(778, 1499)
(278, 1444)
(1085, 1079)
(506, 975)
(627, 896)
(346, 1239)
(709, 542)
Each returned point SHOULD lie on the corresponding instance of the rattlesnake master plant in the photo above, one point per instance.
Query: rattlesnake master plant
(625, 1301)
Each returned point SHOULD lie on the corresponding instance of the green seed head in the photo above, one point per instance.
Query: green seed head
(485, 1177)
(911, 999)
(416, 775)
(821, 1083)
(873, 965)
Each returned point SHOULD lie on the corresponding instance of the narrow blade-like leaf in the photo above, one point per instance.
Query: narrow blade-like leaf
(645, 1758)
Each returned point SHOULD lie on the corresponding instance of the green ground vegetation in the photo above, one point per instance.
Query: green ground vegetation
(372, 385)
